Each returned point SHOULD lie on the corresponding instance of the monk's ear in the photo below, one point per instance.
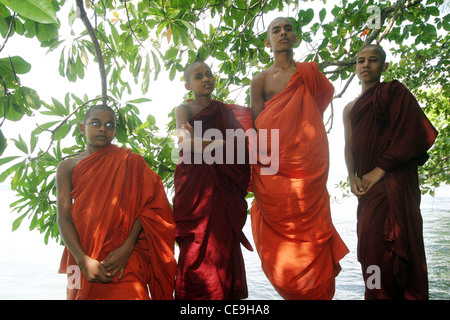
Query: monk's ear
(82, 128)
(296, 39)
(187, 85)
(385, 66)
(267, 43)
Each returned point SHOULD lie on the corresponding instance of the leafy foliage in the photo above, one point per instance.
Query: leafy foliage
(137, 39)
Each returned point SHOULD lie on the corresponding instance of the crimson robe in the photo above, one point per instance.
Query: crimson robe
(210, 211)
(390, 131)
(291, 218)
(111, 189)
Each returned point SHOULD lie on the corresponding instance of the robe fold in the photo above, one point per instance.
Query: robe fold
(210, 211)
(291, 219)
(111, 189)
(390, 131)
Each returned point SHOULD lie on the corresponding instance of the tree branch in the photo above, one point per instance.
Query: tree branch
(9, 31)
(98, 50)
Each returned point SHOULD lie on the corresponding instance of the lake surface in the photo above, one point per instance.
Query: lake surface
(28, 267)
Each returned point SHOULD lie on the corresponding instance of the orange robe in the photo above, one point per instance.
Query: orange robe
(291, 220)
(111, 189)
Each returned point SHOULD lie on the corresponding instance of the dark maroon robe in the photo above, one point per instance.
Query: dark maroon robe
(210, 211)
(390, 131)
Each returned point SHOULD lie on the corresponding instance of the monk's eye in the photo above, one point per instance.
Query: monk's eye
(110, 126)
(95, 124)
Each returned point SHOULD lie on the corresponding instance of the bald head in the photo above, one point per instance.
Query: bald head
(378, 49)
(99, 107)
(278, 21)
(187, 71)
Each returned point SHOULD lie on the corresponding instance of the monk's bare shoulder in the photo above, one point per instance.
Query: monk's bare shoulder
(183, 114)
(260, 77)
(65, 168)
(348, 108)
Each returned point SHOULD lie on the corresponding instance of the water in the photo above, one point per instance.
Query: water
(28, 267)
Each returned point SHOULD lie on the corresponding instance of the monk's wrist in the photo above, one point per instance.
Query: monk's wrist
(380, 171)
(82, 261)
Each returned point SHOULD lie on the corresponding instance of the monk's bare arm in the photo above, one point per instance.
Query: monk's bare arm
(257, 95)
(185, 133)
(93, 270)
(117, 260)
(355, 181)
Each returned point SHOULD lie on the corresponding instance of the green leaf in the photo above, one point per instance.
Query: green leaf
(33, 142)
(62, 132)
(322, 14)
(156, 64)
(37, 10)
(31, 98)
(18, 221)
(20, 66)
(7, 159)
(10, 170)
(139, 100)
(446, 22)
(21, 145)
(146, 77)
(46, 32)
(171, 53)
(3, 145)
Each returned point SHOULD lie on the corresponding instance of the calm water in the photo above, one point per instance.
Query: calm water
(28, 267)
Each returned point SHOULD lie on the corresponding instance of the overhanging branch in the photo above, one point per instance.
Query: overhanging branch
(98, 50)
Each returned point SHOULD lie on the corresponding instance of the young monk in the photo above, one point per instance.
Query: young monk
(291, 220)
(114, 218)
(387, 136)
(209, 206)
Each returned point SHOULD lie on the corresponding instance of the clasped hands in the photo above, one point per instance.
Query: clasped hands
(360, 186)
(104, 271)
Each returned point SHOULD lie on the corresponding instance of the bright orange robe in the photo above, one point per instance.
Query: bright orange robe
(111, 189)
(291, 220)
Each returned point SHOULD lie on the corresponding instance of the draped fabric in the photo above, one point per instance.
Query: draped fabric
(111, 189)
(390, 131)
(291, 219)
(210, 211)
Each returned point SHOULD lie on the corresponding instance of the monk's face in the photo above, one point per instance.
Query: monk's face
(280, 35)
(201, 80)
(369, 65)
(99, 129)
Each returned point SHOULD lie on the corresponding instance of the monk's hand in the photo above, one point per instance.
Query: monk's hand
(187, 126)
(117, 260)
(370, 179)
(356, 187)
(94, 271)
(186, 132)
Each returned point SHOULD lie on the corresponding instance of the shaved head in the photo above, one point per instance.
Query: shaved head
(187, 71)
(276, 20)
(98, 108)
(375, 47)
